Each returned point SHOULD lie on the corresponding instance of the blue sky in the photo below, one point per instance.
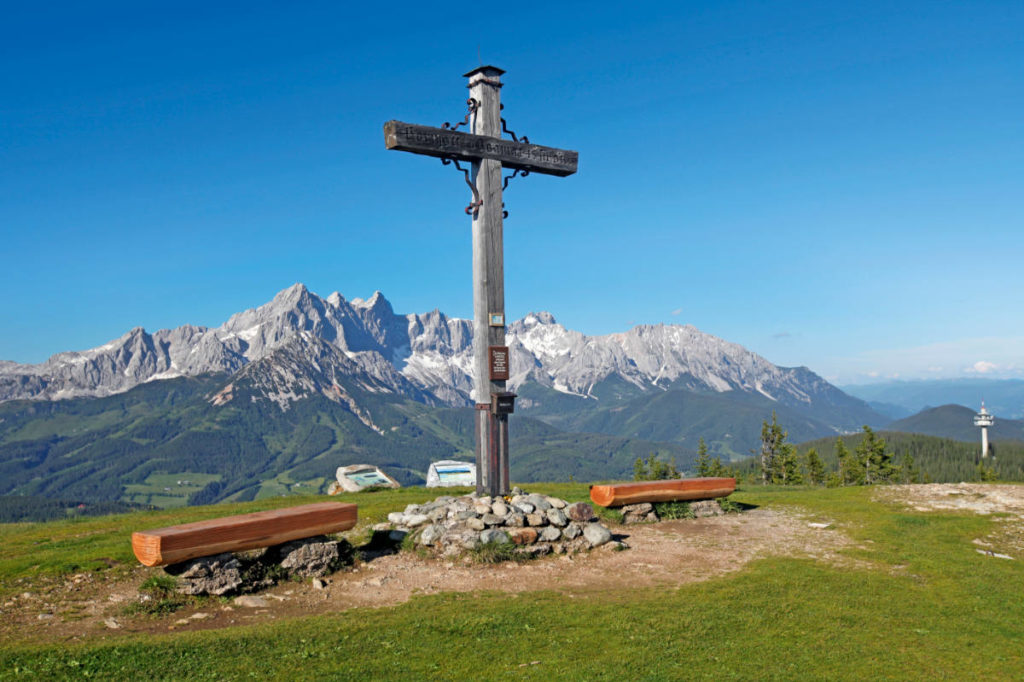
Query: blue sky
(836, 185)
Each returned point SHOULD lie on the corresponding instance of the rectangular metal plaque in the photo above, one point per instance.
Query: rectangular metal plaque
(498, 362)
(443, 143)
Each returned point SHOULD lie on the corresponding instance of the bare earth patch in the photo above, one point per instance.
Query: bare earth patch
(1006, 542)
(669, 553)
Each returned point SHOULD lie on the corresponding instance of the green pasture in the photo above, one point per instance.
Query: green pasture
(163, 490)
(915, 601)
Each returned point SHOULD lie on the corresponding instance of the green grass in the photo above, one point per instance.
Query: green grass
(919, 603)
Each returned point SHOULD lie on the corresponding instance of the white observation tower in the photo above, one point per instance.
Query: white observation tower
(984, 420)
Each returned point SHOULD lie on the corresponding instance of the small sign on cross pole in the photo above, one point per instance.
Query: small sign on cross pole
(483, 146)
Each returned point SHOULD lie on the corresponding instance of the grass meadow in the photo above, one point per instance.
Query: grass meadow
(914, 601)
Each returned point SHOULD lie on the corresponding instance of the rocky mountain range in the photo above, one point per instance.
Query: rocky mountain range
(299, 343)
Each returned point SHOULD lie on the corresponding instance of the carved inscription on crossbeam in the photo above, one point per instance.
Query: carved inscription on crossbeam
(443, 143)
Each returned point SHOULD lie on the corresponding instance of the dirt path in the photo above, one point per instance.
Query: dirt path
(670, 553)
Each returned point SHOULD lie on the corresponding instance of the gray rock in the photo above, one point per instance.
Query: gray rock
(581, 511)
(319, 584)
(412, 509)
(652, 518)
(481, 508)
(493, 535)
(476, 524)
(468, 514)
(556, 517)
(309, 557)
(516, 490)
(499, 509)
(702, 508)
(557, 503)
(250, 601)
(550, 534)
(642, 508)
(414, 520)
(534, 550)
(396, 518)
(439, 514)
(492, 520)
(215, 575)
(596, 534)
(524, 507)
(572, 531)
(539, 502)
(536, 519)
(515, 520)
(483, 499)
(430, 535)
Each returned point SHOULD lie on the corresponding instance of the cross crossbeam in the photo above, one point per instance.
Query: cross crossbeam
(452, 144)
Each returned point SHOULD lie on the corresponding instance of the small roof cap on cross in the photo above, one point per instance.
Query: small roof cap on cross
(485, 70)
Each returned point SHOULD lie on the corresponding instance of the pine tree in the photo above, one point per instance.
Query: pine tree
(772, 438)
(909, 473)
(703, 463)
(790, 465)
(815, 467)
(849, 472)
(639, 470)
(874, 459)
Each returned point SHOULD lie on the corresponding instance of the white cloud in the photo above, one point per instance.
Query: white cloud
(982, 367)
(677, 311)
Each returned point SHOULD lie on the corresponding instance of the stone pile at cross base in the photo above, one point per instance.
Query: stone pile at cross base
(536, 524)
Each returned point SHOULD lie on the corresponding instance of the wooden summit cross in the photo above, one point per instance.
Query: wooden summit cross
(488, 153)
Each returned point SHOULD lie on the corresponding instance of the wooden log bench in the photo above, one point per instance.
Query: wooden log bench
(673, 490)
(237, 533)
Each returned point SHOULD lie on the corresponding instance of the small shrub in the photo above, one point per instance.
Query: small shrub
(159, 586)
(159, 597)
(730, 507)
(674, 510)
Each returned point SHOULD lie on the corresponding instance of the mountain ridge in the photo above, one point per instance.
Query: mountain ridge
(428, 357)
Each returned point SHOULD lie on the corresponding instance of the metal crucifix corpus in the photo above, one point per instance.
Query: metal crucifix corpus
(488, 153)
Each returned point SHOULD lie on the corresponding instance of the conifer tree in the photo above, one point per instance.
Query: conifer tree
(909, 473)
(703, 463)
(772, 438)
(815, 467)
(789, 465)
(873, 458)
(849, 472)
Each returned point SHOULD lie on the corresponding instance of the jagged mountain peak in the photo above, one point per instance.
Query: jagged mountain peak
(426, 356)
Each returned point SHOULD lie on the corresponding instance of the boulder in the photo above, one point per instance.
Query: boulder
(596, 534)
(556, 517)
(523, 536)
(214, 575)
(309, 557)
(493, 535)
(540, 502)
(581, 511)
(430, 535)
(550, 534)
(536, 519)
(499, 509)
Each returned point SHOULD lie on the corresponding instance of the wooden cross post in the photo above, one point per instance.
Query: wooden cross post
(488, 153)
